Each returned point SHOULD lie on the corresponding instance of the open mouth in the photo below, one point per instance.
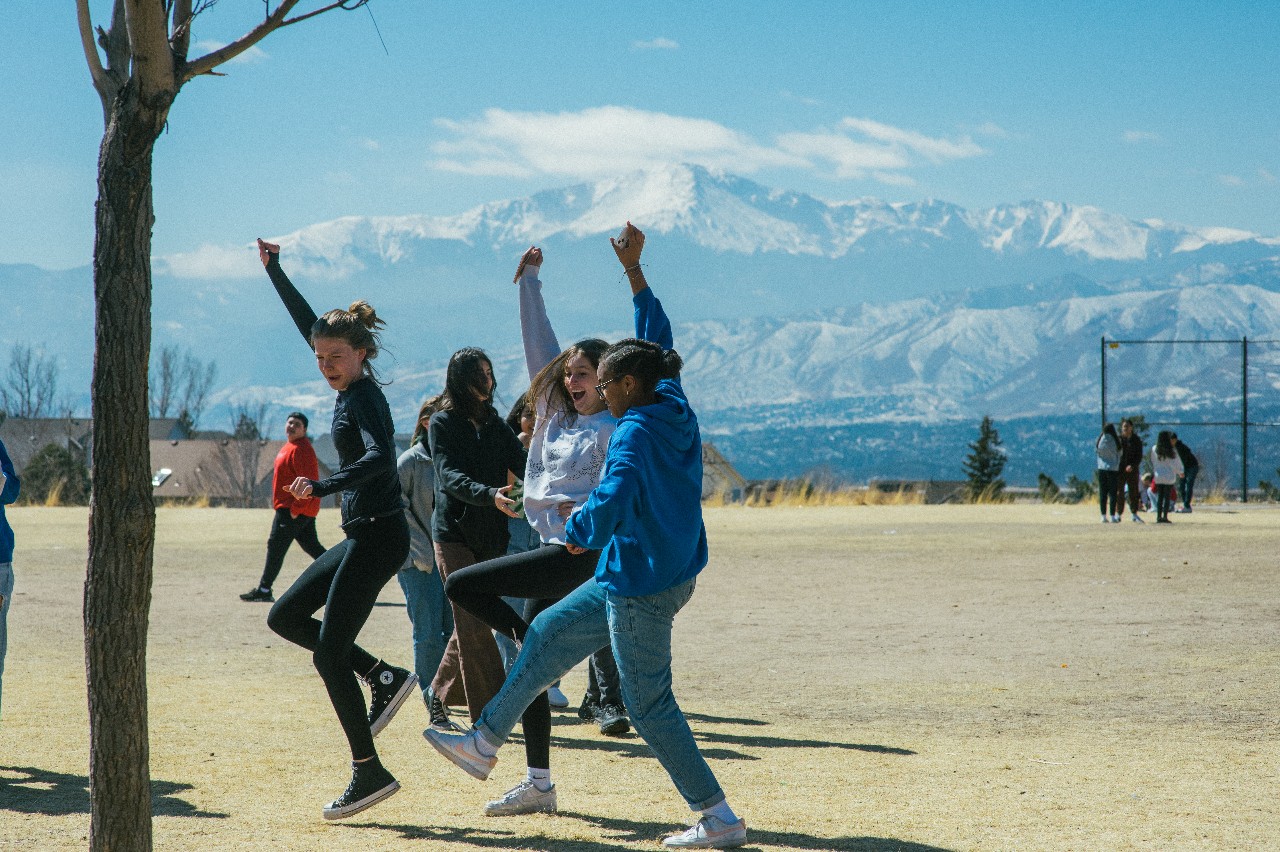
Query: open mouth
(577, 396)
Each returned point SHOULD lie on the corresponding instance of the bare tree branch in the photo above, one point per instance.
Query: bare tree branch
(90, 45)
(181, 28)
(152, 59)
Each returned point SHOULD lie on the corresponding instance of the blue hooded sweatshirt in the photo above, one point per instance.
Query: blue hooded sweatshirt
(645, 516)
(7, 495)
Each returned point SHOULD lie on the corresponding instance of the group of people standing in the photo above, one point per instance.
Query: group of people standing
(612, 481)
(1120, 458)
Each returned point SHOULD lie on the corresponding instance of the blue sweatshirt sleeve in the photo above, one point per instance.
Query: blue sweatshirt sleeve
(651, 320)
(613, 503)
(11, 485)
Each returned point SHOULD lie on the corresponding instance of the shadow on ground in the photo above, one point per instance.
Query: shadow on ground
(30, 790)
(624, 834)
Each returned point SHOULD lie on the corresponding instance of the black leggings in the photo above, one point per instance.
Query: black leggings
(285, 530)
(346, 581)
(544, 575)
(1107, 480)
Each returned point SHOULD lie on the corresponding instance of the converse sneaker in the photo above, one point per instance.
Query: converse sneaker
(709, 833)
(370, 784)
(462, 751)
(258, 595)
(439, 713)
(556, 698)
(613, 720)
(390, 686)
(524, 798)
(588, 709)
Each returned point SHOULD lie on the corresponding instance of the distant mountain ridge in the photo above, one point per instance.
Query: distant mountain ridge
(793, 313)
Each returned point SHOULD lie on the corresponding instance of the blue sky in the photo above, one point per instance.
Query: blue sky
(1153, 110)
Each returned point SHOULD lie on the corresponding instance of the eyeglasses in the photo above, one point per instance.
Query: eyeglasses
(600, 387)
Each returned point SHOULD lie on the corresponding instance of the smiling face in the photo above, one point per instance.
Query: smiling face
(620, 392)
(579, 381)
(340, 363)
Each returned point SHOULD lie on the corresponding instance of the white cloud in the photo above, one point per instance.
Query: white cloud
(252, 54)
(1138, 137)
(1266, 176)
(1231, 180)
(209, 261)
(658, 43)
(603, 141)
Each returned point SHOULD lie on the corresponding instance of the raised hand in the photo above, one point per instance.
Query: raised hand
(532, 257)
(265, 250)
(628, 245)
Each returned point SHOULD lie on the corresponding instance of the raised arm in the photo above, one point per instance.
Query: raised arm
(540, 344)
(303, 317)
(652, 323)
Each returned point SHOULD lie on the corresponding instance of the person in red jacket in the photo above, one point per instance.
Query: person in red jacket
(295, 519)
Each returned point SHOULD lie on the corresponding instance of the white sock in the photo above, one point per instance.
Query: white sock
(722, 812)
(541, 778)
(481, 745)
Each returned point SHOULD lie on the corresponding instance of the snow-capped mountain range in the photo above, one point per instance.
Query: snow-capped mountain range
(794, 314)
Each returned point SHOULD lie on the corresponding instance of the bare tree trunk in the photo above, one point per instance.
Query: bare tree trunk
(117, 595)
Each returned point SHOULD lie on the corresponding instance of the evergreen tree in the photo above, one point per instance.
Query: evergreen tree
(985, 463)
(56, 471)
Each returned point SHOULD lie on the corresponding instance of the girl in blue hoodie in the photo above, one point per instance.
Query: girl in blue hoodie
(645, 517)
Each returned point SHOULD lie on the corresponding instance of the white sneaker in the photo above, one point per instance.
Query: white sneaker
(556, 698)
(1105, 519)
(709, 833)
(1138, 520)
(462, 751)
(1115, 519)
(524, 798)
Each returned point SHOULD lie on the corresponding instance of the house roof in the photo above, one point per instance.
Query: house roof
(25, 436)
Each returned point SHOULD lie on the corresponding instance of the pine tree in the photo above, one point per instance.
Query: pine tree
(985, 463)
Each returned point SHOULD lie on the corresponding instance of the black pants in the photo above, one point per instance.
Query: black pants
(346, 581)
(544, 575)
(1165, 500)
(285, 530)
(1107, 480)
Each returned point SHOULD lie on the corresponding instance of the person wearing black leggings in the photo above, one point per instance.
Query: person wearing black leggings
(345, 580)
(572, 428)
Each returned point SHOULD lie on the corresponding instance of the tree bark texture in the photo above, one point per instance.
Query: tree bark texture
(117, 597)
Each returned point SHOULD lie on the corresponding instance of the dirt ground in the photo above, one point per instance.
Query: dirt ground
(868, 678)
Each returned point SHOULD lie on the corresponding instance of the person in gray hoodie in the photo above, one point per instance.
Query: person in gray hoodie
(1107, 449)
(429, 611)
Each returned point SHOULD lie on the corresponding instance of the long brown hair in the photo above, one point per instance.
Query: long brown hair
(548, 384)
(358, 325)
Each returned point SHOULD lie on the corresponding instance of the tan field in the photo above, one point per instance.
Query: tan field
(861, 678)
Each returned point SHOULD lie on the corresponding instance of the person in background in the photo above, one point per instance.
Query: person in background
(1107, 449)
(295, 519)
(9, 488)
(1130, 468)
(430, 613)
(1166, 468)
(1190, 470)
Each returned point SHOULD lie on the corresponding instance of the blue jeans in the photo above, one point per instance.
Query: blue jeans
(431, 617)
(1187, 485)
(639, 629)
(6, 594)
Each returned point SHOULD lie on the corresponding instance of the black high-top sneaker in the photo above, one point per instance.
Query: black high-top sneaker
(370, 784)
(390, 686)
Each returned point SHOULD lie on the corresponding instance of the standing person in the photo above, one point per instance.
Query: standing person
(1190, 470)
(9, 488)
(646, 517)
(346, 580)
(429, 611)
(1166, 467)
(295, 519)
(1130, 468)
(1107, 449)
(473, 450)
(567, 447)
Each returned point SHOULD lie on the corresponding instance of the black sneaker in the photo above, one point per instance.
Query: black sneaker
(390, 686)
(588, 709)
(613, 720)
(257, 594)
(439, 713)
(370, 784)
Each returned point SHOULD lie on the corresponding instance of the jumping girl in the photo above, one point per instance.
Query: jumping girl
(571, 432)
(646, 518)
(346, 580)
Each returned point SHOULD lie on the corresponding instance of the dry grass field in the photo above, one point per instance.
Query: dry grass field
(862, 678)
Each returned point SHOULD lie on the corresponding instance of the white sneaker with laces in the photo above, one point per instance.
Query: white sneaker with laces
(462, 751)
(556, 698)
(709, 833)
(524, 798)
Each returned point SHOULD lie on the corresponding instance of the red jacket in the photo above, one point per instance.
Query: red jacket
(295, 459)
